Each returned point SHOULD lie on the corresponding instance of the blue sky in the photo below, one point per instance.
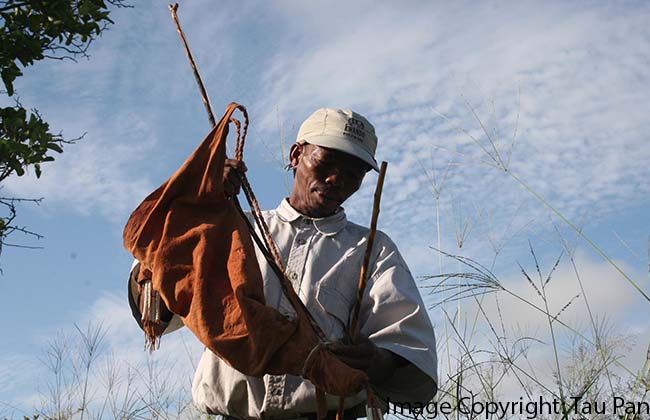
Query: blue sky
(567, 81)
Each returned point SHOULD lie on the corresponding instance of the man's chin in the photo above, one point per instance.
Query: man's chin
(327, 199)
(324, 207)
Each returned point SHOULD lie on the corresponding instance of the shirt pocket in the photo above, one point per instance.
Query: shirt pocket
(337, 307)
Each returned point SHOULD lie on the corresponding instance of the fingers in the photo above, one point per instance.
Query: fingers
(358, 356)
(231, 176)
(378, 363)
(238, 165)
(353, 350)
(361, 363)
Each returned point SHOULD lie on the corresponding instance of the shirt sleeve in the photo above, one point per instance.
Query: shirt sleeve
(394, 317)
(134, 297)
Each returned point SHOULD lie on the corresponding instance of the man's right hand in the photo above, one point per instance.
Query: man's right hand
(231, 178)
(380, 364)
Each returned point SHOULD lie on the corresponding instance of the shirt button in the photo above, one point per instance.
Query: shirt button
(300, 241)
(293, 275)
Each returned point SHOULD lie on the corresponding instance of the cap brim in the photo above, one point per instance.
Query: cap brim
(345, 146)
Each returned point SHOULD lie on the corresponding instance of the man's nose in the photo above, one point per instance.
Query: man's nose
(334, 178)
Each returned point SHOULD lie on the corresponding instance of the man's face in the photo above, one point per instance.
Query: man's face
(324, 178)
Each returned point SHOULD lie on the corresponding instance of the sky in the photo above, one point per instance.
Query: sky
(555, 93)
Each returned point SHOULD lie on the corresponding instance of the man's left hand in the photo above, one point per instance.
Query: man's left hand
(378, 363)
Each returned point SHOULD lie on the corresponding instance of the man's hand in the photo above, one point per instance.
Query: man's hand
(378, 363)
(231, 179)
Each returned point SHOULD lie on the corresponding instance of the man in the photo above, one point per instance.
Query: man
(322, 254)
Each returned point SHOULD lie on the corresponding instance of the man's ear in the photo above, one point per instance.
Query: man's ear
(295, 153)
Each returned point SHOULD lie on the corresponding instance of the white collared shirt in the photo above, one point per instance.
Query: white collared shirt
(322, 259)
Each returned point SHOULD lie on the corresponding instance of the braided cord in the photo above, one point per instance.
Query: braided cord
(261, 223)
(248, 190)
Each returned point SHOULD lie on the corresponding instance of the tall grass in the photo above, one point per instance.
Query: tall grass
(495, 359)
(85, 380)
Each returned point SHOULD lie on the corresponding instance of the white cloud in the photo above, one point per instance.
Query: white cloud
(581, 112)
(97, 174)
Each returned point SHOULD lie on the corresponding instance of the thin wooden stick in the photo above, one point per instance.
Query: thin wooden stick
(363, 276)
(204, 95)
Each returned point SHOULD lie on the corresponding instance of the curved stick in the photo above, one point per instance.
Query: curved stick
(204, 95)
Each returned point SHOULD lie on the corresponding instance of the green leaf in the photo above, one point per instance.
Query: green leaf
(55, 147)
(7, 80)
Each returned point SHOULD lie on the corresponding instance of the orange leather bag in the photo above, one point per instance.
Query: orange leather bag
(196, 247)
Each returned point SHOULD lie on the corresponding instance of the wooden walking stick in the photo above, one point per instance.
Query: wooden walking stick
(372, 411)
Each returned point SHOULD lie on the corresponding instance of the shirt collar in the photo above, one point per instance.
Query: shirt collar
(328, 226)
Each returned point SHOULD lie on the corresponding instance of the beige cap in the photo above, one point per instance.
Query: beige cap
(343, 130)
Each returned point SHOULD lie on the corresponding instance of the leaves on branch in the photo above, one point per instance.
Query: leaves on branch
(26, 140)
(32, 31)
